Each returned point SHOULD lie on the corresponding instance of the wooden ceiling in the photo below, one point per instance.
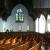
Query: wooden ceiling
(6, 7)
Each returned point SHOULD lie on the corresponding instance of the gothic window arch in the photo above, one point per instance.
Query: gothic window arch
(40, 24)
(48, 23)
(36, 24)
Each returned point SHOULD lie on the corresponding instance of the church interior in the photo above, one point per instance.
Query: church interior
(24, 24)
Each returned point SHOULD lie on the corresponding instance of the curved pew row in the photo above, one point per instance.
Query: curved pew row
(7, 45)
(11, 43)
(18, 41)
(25, 46)
(36, 47)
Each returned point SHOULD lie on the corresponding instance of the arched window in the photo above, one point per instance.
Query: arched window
(40, 24)
(36, 24)
(19, 15)
(48, 23)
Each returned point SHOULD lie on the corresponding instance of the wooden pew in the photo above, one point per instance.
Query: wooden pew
(22, 47)
(8, 41)
(2, 41)
(9, 46)
(14, 40)
(36, 47)
(5, 43)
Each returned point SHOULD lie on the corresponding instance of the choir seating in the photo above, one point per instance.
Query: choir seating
(36, 47)
(5, 43)
(14, 40)
(25, 46)
(8, 41)
(11, 43)
(22, 42)
(2, 41)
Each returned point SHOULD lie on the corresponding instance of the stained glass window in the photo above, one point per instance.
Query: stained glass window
(19, 15)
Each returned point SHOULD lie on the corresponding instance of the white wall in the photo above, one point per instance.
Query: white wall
(12, 21)
(1, 25)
